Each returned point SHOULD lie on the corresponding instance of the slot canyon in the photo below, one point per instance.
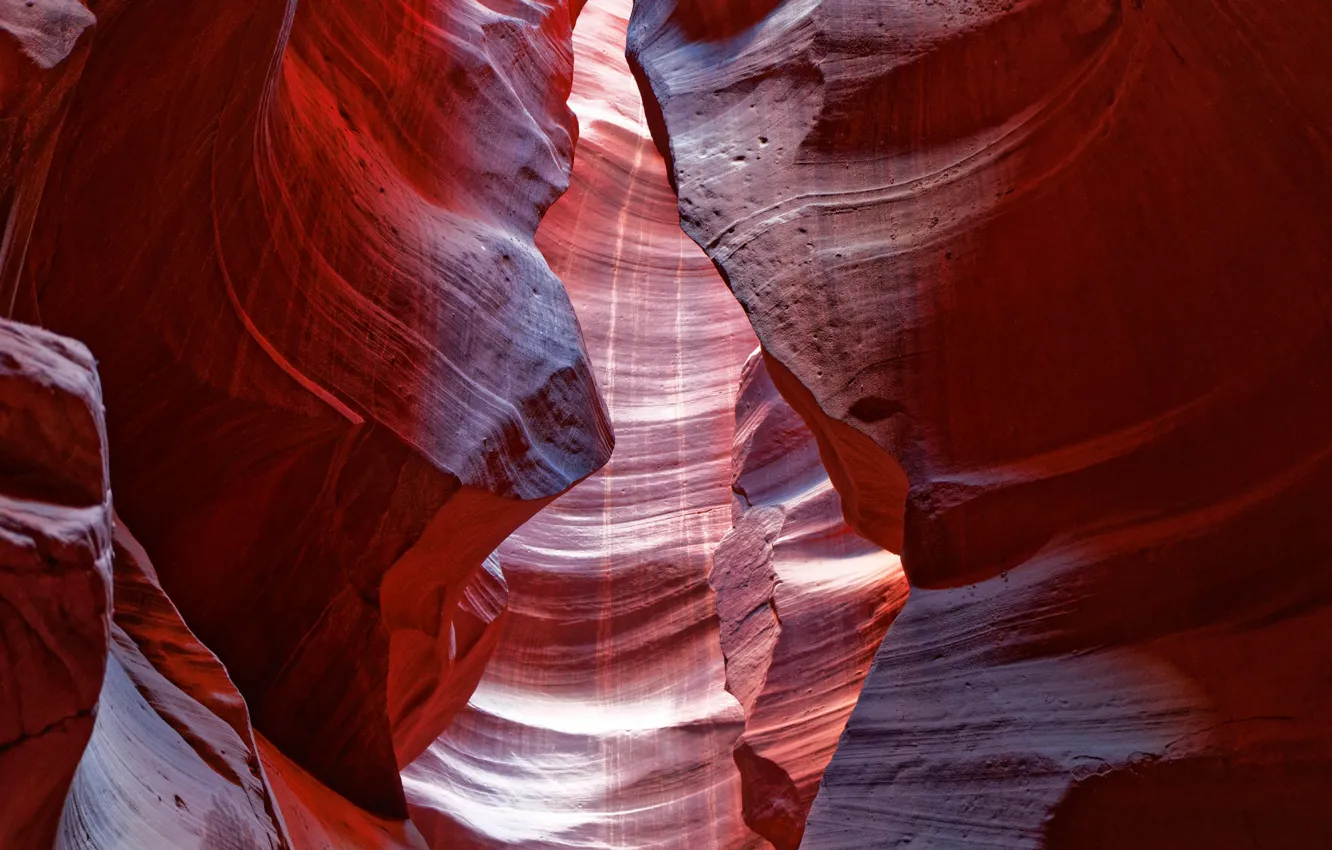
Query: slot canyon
(665, 425)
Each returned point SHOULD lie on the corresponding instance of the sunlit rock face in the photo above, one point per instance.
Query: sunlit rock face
(603, 718)
(803, 602)
(1061, 263)
(625, 706)
(55, 574)
(1040, 294)
(298, 238)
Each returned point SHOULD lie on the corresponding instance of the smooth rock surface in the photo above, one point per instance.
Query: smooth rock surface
(41, 57)
(1062, 263)
(299, 239)
(319, 819)
(55, 574)
(172, 761)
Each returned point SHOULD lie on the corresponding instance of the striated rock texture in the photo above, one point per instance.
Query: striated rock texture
(55, 574)
(688, 627)
(603, 718)
(1061, 263)
(337, 371)
(803, 601)
(172, 761)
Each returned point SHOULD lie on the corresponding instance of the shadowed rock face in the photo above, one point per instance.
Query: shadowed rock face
(172, 760)
(350, 374)
(55, 574)
(319, 819)
(41, 56)
(1040, 290)
(1060, 261)
(339, 373)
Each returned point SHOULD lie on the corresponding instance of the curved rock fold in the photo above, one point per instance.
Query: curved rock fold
(351, 374)
(1059, 262)
(1027, 310)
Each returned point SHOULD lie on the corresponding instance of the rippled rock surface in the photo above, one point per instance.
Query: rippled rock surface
(627, 704)
(1045, 277)
(803, 602)
(603, 718)
(1038, 289)
(337, 372)
(172, 761)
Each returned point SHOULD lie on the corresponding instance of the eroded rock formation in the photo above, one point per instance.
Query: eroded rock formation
(55, 574)
(1062, 264)
(172, 761)
(804, 603)
(603, 718)
(644, 693)
(337, 372)
(1040, 287)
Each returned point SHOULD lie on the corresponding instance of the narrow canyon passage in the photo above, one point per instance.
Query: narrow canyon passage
(611, 711)
(603, 718)
(315, 319)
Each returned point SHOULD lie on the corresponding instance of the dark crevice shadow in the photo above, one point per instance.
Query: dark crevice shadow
(1211, 801)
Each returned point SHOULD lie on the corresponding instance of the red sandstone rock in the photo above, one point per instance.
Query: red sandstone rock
(55, 574)
(804, 603)
(338, 373)
(319, 819)
(351, 374)
(1007, 253)
(172, 760)
(41, 56)
(477, 613)
(1065, 263)
(644, 693)
(603, 717)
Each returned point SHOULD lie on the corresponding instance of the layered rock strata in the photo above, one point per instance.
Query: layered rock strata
(603, 718)
(1059, 266)
(644, 693)
(170, 758)
(337, 372)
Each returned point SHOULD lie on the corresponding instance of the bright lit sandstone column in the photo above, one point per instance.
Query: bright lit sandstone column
(604, 714)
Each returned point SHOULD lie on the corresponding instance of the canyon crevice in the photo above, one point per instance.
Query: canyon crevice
(660, 424)
(623, 706)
